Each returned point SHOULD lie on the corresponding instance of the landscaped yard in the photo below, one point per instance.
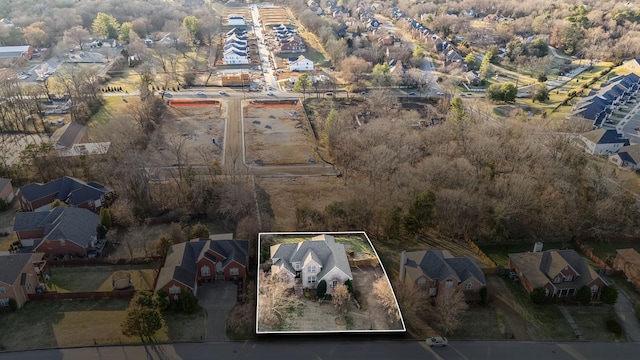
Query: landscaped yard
(98, 278)
(113, 105)
(50, 324)
(500, 253)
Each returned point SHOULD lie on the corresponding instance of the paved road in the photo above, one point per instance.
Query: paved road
(283, 349)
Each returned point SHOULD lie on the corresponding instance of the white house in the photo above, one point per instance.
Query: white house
(602, 141)
(307, 263)
(236, 20)
(301, 64)
(235, 57)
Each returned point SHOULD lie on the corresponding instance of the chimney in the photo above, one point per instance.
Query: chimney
(403, 260)
(537, 247)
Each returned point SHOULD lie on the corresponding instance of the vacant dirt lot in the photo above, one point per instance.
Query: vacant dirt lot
(278, 135)
(274, 16)
(192, 128)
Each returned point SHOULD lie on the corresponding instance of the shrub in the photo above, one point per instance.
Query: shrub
(614, 327)
(13, 305)
(199, 231)
(609, 295)
(349, 285)
(538, 296)
(583, 296)
(189, 302)
(321, 289)
(484, 294)
(3, 205)
(162, 298)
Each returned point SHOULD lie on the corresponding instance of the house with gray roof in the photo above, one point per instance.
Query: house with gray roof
(20, 275)
(72, 191)
(602, 141)
(68, 135)
(627, 157)
(559, 272)
(306, 263)
(60, 232)
(202, 260)
(436, 271)
(599, 104)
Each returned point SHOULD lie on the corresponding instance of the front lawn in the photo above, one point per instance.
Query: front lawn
(481, 322)
(592, 321)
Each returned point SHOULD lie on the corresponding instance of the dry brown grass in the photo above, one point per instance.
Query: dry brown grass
(98, 278)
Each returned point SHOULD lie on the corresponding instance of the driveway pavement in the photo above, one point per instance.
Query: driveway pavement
(217, 299)
(627, 317)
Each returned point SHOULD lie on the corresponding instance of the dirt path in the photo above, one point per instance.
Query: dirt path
(504, 305)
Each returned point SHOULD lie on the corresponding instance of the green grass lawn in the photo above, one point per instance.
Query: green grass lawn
(500, 253)
(479, 322)
(113, 105)
(606, 249)
(98, 278)
(592, 321)
(50, 324)
(356, 243)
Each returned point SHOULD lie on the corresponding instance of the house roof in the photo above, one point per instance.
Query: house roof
(61, 223)
(68, 135)
(605, 136)
(540, 267)
(322, 248)
(182, 259)
(66, 188)
(631, 255)
(11, 265)
(4, 182)
(629, 153)
(440, 264)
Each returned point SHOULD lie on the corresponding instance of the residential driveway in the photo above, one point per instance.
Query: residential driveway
(627, 317)
(217, 299)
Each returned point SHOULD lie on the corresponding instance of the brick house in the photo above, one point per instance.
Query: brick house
(202, 260)
(20, 275)
(628, 261)
(74, 192)
(6, 190)
(60, 232)
(560, 272)
(437, 270)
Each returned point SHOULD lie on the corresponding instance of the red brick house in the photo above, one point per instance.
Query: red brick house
(292, 44)
(202, 260)
(72, 191)
(60, 232)
(560, 272)
(20, 275)
(436, 271)
(6, 190)
(628, 261)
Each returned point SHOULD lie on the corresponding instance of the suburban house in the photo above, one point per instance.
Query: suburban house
(6, 190)
(300, 64)
(437, 270)
(62, 231)
(627, 157)
(602, 141)
(628, 261)
(235, 50)
(75, 193)
(306, 263)
(236, 20)
(291, 43)
(69, 135)
(472, 78)
(202, 260)
(560, 272)
(598, 106)
(20, 275)
(20, 51)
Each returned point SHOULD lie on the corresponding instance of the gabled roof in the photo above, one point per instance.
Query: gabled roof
(67, 189)
(440, 264)
(11, 265)
(322, 248)
(540, 267)
(61, 223)
(605, 136)
(631, 255)
(69, 134)
(629, 153)
(230, 250)
(4, 182)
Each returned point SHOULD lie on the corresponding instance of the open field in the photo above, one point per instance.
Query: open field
(98, 278)
(278, 135)
(274, 16)
(51, 324)
(113, 106)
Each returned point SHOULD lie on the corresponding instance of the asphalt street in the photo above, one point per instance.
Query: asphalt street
(283, 349)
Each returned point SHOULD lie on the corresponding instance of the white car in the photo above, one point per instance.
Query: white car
(222, 92)
(200, 93)
(437, 341)
(270, 93)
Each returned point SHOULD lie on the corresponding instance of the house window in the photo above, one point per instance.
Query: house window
(595, 288)
(448, 283)
(334, 283)
(568, 278)
(311, 269)
(311, 280)
(296, 265)
(546, 292)
(205, 271)
(3, 290)
(4, 302)
(29, 285)
(469, 286)
(422, 282)
(174, 290)
(556, 280)
(234, 271)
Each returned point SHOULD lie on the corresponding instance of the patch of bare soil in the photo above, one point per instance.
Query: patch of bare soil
(503, 304)
(287, 193)
(371, 311)
(277, 135)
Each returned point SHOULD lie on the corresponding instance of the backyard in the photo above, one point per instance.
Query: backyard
(500, 253)
(51, 324)
(99, 278)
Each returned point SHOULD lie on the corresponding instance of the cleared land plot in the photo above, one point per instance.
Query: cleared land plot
(192, 129)
(99, 278)
(274, 16)
(243, 11)
(51, 324)
(275, 135)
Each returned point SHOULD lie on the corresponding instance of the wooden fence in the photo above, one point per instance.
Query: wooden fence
(593, 257)
(82, 295)
(363, 262)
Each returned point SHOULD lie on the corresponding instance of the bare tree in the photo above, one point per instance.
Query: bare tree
(77, 35)
(340, 299)
(275, 301)
(449, 307)
(382, 290)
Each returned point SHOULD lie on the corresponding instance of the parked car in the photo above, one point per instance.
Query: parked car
(328, 94)
(412, 93)
(270, 93)
(437, 341)
(200, 93)
(222, 92)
